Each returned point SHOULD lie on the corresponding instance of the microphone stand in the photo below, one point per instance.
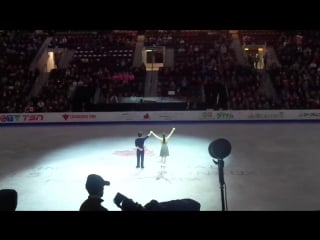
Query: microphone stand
(220, 164)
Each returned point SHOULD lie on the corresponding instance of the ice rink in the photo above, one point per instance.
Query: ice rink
(272, 166)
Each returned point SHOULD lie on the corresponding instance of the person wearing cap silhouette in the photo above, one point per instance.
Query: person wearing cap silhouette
(95, 186)
(8, 200)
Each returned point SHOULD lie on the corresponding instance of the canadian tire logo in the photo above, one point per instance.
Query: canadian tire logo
(146, 116)
(65, 116)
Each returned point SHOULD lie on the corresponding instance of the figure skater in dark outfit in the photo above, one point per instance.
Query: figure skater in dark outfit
(139, 142)
(164, 151)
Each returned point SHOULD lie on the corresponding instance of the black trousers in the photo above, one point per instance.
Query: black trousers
(140, 158)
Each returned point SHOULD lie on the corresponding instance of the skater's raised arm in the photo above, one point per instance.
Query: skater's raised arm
(155, 135)
(172, 131)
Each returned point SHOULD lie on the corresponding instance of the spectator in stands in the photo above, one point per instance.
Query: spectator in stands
(113, 98)
(95, 186)
(8, 200)
(164, 151)
(139, 142)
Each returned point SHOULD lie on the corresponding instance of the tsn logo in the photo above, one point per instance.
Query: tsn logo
(20, 118)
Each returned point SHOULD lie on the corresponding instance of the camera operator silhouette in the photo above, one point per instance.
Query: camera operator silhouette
(95, 187)
(8, 200)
